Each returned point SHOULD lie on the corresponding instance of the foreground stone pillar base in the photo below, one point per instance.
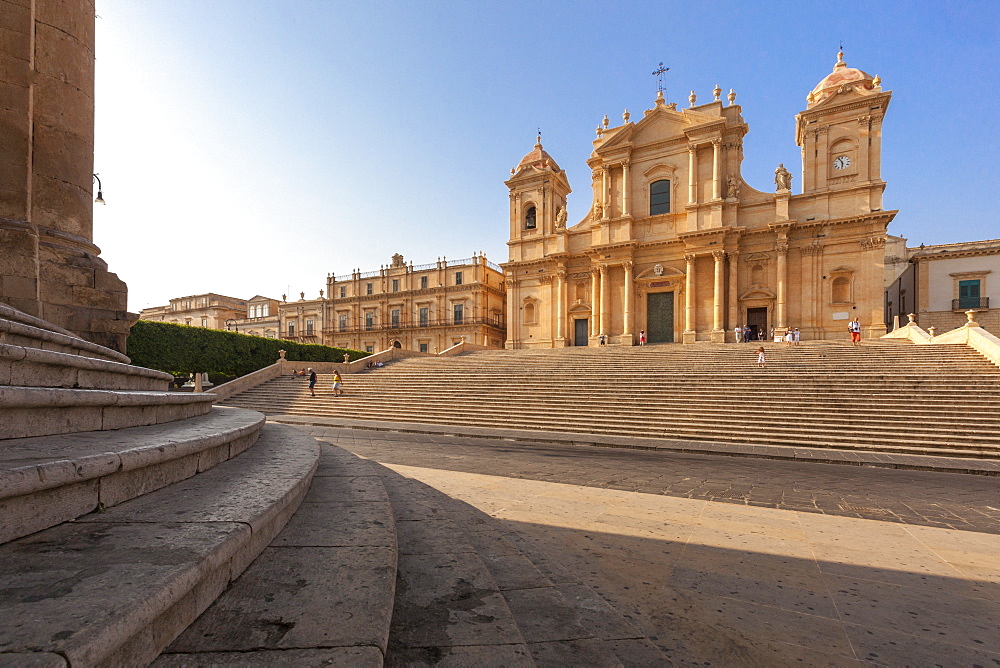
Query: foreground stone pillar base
(689, 336)
(718, 336)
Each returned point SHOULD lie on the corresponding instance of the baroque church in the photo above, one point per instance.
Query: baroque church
(678, 245)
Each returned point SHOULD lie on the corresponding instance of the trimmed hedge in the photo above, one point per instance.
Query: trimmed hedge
(182, 350)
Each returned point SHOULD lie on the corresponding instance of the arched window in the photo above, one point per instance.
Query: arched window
(659, 197)
(841, 290)
(529, 219)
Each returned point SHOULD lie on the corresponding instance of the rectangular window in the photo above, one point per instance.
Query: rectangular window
(395, 317)
(395, 285)
(659, 197)
(423, 282)
(423, 347)
(968, 294)
(369, 348)
(424, 316)
(369, 320)
(458, 278)
(368, 289)
(309, 327)
(343, 322)
(459, 311)
(204, 322)
(343, 291)
(291, 329)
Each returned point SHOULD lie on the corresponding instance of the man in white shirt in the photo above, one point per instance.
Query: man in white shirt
(854, 327)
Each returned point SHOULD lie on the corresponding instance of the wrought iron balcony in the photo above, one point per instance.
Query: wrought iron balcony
(966, 303)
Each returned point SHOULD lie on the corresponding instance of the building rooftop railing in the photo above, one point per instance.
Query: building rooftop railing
(407, 324)
(419, 267)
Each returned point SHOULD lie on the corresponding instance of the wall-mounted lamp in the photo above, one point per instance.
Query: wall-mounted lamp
(231, 323)
(99, 199)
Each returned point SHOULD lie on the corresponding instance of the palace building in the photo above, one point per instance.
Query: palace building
(676, 243)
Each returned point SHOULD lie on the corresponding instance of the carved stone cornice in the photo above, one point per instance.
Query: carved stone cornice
(872, 243)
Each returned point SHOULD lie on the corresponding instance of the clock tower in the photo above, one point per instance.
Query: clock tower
(840, 133)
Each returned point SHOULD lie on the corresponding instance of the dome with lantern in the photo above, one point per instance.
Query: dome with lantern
(842, 74)
(538, 158)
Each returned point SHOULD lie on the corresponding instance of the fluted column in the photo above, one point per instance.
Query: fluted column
(692, 175)
(734, 258)
(716, 169)
(629, 296)
(718, 256)
(605, 302)
(606, 191)
(625, 186)
(595, 301)
(560, 287)
(689, 315)
(782, 249)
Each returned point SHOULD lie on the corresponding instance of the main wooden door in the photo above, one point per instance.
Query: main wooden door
(757, 319)
(580, 331)
(660, 317)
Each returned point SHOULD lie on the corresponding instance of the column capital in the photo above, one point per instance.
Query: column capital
(689, 257)
(733, 255)
(781, 248)
(628, 264)
(719, 255)
(603, 269)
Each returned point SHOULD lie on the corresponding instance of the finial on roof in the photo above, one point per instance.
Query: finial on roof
(659, 98)
(732, 96)
(717, 92)
(840, 57)
(538, 140)
(626, 116)
(877, 81)
(606, 122)
(692, 98)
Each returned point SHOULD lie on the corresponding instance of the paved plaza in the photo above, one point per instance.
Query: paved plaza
(736, 561)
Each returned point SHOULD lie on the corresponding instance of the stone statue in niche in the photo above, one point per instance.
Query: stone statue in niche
(561, 217)
(733, 188)
(598, 210)
(782, 178)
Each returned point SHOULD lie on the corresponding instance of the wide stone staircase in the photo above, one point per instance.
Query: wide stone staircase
(883, 396)
(124, 509)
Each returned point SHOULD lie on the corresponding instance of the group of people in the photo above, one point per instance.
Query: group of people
(338, 382)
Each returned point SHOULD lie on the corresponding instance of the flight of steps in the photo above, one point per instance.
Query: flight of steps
(885, 396)
(125, 509)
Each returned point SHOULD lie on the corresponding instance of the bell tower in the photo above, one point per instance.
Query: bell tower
(538, 190)
(840, 133)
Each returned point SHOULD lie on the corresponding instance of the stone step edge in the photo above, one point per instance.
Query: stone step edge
(907, 461)
(28, 327)
(866, 428)
(154, 615)
(336, 540)
(38, 356)
(19, 396)
(46, 480)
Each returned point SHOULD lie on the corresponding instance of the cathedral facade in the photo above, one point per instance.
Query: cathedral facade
(678, 246)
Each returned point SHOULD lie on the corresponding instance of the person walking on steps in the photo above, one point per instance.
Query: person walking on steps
(337, 384)
(642, 337)
(738, 331)
(854, 327)
(312, 382)
(761, 361)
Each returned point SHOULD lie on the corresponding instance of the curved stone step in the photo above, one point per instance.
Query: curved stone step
(42, 411)
(320, 594)
(115, 587)
(20, 329)
(32, 367)
(48, 480)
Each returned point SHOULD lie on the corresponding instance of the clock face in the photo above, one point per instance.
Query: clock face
(843, 162)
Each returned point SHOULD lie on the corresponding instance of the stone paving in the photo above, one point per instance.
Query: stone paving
(740, 561)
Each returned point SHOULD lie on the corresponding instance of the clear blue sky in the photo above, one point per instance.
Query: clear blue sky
(254, 146)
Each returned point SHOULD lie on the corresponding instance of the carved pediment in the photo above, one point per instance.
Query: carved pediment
(665, 271)
(580, 307)
(758, 292)
(757, 257)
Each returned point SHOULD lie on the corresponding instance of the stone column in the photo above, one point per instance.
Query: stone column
(629, 297)
(561, 306)
(625, 186)
(689, 306)
(716, 169)
(734, 297)
(692, 175)
(512, 314)
(51, 268)
(605, 192)
(605, 301)
(595, 301)
(718, 333)
(782, 249)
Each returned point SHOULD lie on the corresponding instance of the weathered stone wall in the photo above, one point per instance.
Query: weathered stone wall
(50, 267)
